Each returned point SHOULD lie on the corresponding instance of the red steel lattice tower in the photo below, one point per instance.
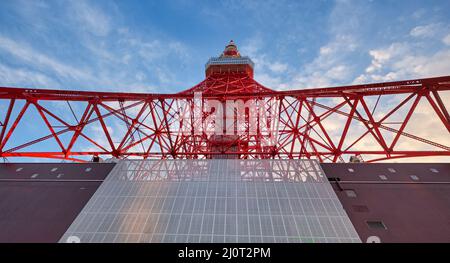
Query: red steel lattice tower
(375, 122)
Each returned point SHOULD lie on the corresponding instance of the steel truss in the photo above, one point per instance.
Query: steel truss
(377, 121)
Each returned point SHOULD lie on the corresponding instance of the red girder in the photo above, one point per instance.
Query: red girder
(323, 123)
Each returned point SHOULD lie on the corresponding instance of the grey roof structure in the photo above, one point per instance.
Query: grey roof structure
(244, 60)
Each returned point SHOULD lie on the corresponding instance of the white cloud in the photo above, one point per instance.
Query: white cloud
(412, 66)
(446, 40)
(267, 71)
(334, 65)
(110, 69)
(38, 60)
(20, 77)
(278, 67)
(153, 49)
(251, 47)
(379, 59)
(330, 67)
(425, 30)
(110, 57)
(91, 18)
(325, 50)
(399, 61)
(419, 13)
(339, 72)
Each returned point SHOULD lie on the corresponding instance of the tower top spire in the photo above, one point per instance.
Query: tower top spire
(231, 50)
(230, 61)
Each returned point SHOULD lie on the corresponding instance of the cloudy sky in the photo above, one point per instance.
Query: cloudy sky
(162, 46)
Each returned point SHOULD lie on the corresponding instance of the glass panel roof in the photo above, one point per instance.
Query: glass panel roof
(214, 201)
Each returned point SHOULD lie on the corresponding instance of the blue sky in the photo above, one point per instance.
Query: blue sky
(162, 46)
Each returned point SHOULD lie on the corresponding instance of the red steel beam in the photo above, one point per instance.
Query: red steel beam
(154, 118)
(385, 88)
